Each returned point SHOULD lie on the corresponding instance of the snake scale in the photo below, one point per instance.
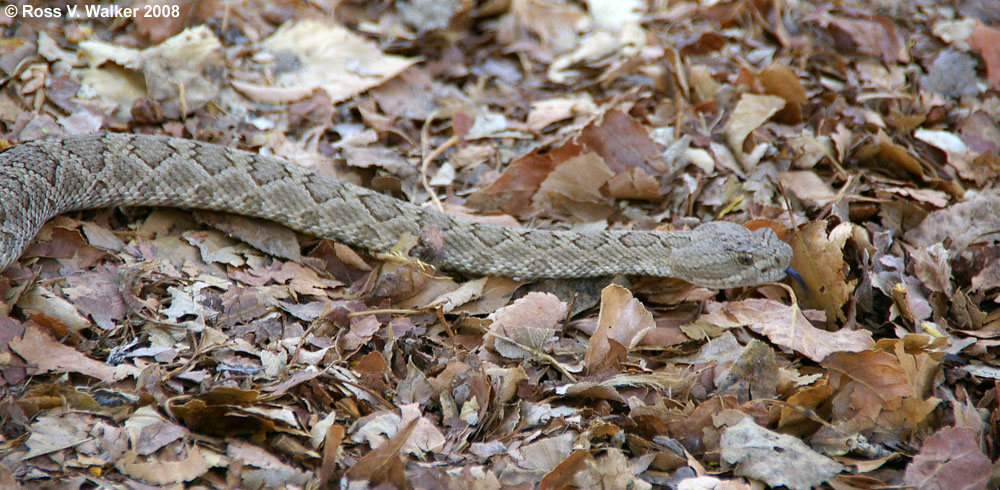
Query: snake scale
(43, 178)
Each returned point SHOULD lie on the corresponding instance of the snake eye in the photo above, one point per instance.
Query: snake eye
(744, 258)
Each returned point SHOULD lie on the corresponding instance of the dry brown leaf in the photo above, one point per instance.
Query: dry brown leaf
(959, 155)
(950, 458)
(43, 354)
(98, 294)
(878, 378)
(952, 74)
(780, 80)
(512, 192)
(623, 143)
(634, 184)
(264, 235)
(773, 458)
(937, 199)
(753, 376)
(361, 332)
(552, 23)
(101, 237)
(531, 322)
(495, 294)
(592, 390)
(49, 310)
(159, 471)
(543, 455)
(218, 248)
(549, 111)
(52, 433)
(750, 112)
(624, 321)
(932, 265)
(788, 327)
(806, 185)
(159, 28)
(149, 432)
(581, 470)
(332, 449)
(461, 295)
(60, 239)
(980, 132)
(185, 72)
(898, 155)
(961, 224)
(819, 260)
(563, 474)
(872, 34)
(329, 57)
(574, 188)
(889, 386)
(986, 40)
(260, 468)
(307, 281)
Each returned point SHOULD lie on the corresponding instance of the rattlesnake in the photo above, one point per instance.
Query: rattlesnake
(43, 178)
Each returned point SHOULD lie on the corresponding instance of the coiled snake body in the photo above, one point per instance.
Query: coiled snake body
(43, 178)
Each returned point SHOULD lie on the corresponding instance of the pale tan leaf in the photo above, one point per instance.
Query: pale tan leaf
(788, 327)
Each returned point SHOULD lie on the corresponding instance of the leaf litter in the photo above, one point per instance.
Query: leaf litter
(147, 347)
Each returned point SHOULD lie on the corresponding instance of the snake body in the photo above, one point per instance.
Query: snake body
(43, 178)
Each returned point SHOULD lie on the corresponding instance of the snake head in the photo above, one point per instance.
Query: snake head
(729, 255)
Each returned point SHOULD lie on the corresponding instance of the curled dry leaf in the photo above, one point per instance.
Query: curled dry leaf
(932, 266)
(780, 80)
(788, 327)
(148, 432)
(548, 111)
(750, 112)
(624, 321)
(959, 155)
(819, 259)
(889, 386)
(46, 308)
